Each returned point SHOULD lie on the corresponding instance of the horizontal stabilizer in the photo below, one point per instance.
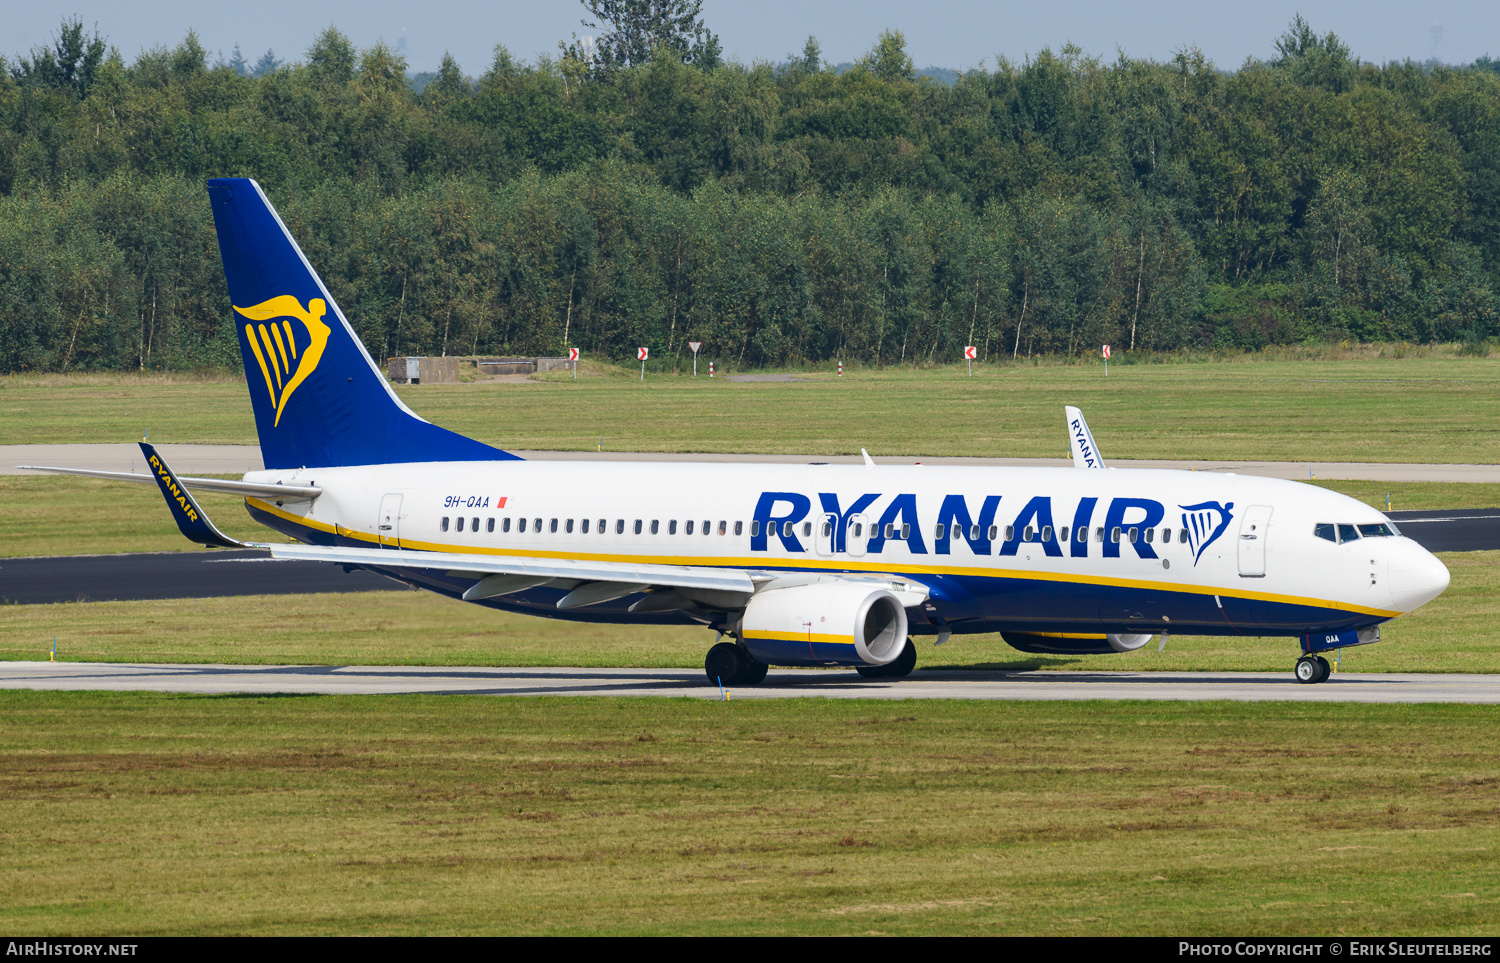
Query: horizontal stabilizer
(226, 486)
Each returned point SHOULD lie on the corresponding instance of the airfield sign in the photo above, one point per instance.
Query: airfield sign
(1106, 361)
(641, 353)
(970, 353)
(573, 357)
(695, 345)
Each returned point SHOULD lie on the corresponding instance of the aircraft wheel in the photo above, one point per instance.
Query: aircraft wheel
(726, 664)
(755, 674)
(898, 669)
(1327, 669)
(1308, 671)
(905, 662)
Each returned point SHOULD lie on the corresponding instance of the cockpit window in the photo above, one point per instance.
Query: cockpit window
(1377, 531)
(1325, 530)
(1347, 533)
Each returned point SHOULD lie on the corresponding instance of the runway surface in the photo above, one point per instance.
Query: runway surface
(238, 459)
(781, 684)
(201, 574)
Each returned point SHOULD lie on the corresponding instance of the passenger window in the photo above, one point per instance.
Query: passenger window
(1046, 533)
(1099, 534)
(1134, 534)
(505, 524)
(1347, 533)
(994, 531)
(489, 525)
(858, 529)
(569, 526)
(1010, 533)
(1182, 535)
(1062, 534)
(939, 531)
(806, 529)
(603, 524)
(474, 524)
(537, 525)
(688, 527)
(619, 526)
(655, 526)
(739, 528)
(973, 533)
(1150, 535)
(637, 526)
(672, 527)
(723, 527)
(445, 523)
(827, 528)
(1026, 535)
(1166, 535)
(1114, 534)
(521, 525)
(585, 526)
(708, 527)
(890, 529)
(458, 523)
(906, 531)
(1326, 530)
(754, 529)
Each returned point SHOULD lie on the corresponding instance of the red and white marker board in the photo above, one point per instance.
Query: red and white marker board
(572, 354)
(1106, 351)
(641, 353)
(971, 352)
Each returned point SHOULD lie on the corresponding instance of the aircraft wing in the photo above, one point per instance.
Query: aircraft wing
(1081, 441)
(542, 569)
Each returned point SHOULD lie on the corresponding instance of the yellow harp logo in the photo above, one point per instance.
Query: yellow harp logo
(285, 361)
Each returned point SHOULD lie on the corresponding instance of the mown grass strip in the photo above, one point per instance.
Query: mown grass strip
(151, 814)
(1398, 410)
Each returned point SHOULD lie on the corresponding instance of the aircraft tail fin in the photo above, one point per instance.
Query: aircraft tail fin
(1081, 441)
(319, 399)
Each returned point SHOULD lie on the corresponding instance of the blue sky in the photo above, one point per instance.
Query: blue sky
(946, 33)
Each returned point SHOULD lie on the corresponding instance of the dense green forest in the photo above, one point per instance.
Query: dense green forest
(780, 213)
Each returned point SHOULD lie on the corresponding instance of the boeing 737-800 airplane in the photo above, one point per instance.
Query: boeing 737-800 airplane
(797, 564)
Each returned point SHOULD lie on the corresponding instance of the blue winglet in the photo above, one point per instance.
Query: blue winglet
(185, 511)
(318, 397)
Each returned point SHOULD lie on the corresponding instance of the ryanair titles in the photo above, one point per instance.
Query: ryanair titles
(865, 524)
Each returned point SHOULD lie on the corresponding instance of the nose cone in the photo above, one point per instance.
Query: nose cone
(1417, 576)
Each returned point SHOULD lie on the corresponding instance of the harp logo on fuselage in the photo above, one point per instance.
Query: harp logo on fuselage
(285, 356)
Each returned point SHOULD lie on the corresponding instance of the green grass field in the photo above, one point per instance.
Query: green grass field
(1455, 633)
(155, 814)
(1406, 410)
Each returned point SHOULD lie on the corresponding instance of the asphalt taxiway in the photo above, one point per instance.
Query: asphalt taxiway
(780, 684)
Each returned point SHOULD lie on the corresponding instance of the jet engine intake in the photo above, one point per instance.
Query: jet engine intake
(834, 622)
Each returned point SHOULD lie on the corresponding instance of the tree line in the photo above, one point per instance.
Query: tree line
(780, 213)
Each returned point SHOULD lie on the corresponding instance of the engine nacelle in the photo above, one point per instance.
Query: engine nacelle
(833, 622)
(1073, 643)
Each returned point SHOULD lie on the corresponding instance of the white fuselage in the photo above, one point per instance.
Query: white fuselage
(1173, 550)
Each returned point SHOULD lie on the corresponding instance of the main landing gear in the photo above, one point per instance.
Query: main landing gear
(1312, 669)
(728, 664)
(899, 668)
